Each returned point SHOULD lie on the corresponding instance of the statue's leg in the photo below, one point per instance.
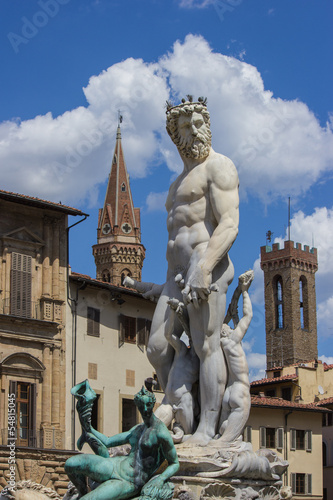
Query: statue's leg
(206, 324)
(79, 467)
(114, 489)
(240, 405)
(160, 353)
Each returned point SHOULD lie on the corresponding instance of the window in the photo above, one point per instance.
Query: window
(286, 393)
(270, 393)
(96, 413)
(124, 274)
(271, 437)
(20, 285)
(301, 483)
(93, 321)
(327, 419)
(303, 303)
(25, 412)
(276, 374)
(247, 434)
(123, 187)
(134, 331)
(278, 292)
(300, 440)
(106, 277)
(324, 455)
(129, 414)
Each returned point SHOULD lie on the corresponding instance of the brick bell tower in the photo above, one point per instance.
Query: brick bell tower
(118, 252)
(290, 303)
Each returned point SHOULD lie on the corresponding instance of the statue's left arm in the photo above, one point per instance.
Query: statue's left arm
(223, 197)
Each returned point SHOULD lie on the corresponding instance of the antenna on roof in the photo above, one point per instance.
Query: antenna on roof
(289, 218)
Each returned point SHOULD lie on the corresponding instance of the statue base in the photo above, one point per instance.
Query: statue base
(229, 471)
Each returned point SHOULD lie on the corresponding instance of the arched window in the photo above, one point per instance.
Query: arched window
(123, 187)
(278, 292)
(303, 303)
(125, 272)
(106, 276)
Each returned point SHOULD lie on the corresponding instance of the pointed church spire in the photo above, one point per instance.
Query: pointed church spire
(119, 251)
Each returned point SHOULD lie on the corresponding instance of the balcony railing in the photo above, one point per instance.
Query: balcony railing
(21, 309)
(33, 439)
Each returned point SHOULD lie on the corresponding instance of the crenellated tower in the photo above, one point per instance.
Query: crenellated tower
(290, 303)
(119, 251)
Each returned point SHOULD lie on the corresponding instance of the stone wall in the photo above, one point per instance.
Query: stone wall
(40, 466)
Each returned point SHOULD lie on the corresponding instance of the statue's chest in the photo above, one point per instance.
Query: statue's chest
(188, 189)
(148, 442)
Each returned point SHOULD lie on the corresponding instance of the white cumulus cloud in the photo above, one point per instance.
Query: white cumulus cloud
(66, 157)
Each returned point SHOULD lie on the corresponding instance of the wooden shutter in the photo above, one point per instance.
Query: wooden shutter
(93, 321)
(262, 432)
(148, 328)
(121, 338)
(20, 286)
(308, 440)
(308, 483)
(293, 482)
(279, 438)
(141, 333)
(32, 416)
(293, 440)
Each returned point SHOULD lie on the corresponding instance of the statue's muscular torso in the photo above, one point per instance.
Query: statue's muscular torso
(191, 220)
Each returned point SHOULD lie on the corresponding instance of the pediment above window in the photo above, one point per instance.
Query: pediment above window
(22, 363)
(24, 234)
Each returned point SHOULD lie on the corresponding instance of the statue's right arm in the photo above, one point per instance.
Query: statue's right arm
(244, 323)
(117, 440)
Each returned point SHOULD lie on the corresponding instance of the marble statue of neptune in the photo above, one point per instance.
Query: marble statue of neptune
(202, 223)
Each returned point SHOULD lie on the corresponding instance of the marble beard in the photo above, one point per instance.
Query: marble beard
(206, 380)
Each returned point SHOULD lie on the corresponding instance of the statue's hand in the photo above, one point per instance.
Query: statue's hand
(198, 286)
(153, 487)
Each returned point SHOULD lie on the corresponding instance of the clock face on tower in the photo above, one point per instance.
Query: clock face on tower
(106, 228)
(126, 228)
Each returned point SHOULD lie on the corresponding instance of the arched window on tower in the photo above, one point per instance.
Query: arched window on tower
(303, 303)
(124, 273)
(106, 276)
(278, 292)
(123, 187)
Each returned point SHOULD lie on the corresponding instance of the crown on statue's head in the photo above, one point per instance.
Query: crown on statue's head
(186, 102)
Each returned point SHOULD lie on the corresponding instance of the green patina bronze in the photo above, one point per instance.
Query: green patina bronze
(123, 477)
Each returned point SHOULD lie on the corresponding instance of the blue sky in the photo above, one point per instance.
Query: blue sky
(265, 66)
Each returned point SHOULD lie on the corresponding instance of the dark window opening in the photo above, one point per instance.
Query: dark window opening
(324, 455)
(129, 414)
(276, 374)
(300, 440)
(286, 393)
(123, 187)
(270, 393)
(270, 437)
(300, 483)
(95, 414)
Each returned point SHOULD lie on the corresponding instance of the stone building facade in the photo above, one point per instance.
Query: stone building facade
(33, 278)
(290, 303)
(119, 251)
